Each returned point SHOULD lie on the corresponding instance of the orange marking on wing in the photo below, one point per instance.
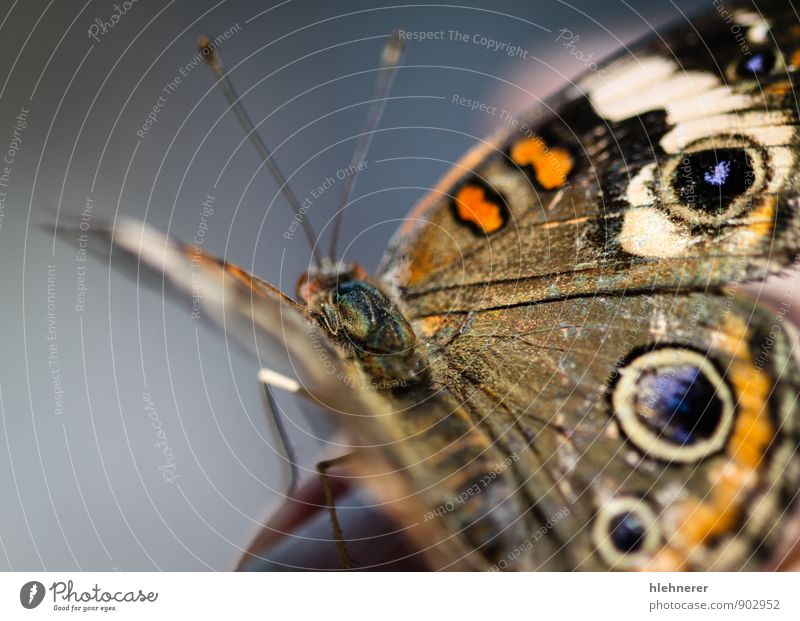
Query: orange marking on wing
(429, 326)
(551, 166)
(253, 283)
(466, 165)
(196, 255)
(795, 58)
(420, 268)
(781, 89)
(700, 520)
(762, 221)
(473, 206)
(239, 274)
(753, 430)
(258, 285)
(425, 248)
(666, 559)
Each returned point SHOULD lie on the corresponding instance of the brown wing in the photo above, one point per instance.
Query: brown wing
(539, 271)
(253, 312)
(672, 167)
(626, 432)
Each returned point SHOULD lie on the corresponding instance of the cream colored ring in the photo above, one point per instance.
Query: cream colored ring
(601, 533)
(739, 205)
(652, 444)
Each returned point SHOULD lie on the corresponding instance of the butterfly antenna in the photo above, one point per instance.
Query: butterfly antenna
(391, 57)
(214, 62)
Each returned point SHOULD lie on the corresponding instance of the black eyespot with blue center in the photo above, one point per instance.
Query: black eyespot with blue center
(710, 180)
(673, 404)
(679, 404)
(627, 531)
(758, 64)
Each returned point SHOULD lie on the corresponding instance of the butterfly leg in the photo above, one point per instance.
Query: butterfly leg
(272, 380)
(322, 469)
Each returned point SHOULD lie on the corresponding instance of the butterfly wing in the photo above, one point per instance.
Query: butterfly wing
(550, 276)
(614, 432)
(673, 166)
(679, 412)
(401, 466)
(256, 314)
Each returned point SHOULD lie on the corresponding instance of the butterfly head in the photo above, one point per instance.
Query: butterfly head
(362, 319)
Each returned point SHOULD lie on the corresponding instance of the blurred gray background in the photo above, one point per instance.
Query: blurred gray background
(86, 383)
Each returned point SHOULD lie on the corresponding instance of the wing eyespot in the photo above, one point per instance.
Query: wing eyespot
(703, 196)
(758, 64)
(710, 181)
(673, 405)
(626, 533)
(716, 180)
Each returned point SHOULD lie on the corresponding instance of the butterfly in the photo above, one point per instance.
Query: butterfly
(558, 365)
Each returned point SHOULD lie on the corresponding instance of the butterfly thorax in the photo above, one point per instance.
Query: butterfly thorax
(364, 321)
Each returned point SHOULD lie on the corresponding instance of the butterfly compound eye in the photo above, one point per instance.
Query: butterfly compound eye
(379, 335)
(673, 405)
(626, 532)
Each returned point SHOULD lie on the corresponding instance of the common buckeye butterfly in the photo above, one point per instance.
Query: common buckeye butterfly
(558, 342)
